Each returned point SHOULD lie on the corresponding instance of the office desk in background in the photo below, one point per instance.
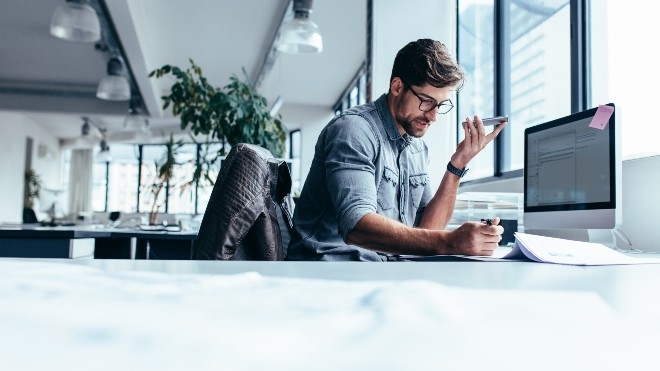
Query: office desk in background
(36, 241)
(86, 241)
(140, 244)
(207, 315)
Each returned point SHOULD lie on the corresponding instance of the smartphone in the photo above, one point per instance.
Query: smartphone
(494, 120)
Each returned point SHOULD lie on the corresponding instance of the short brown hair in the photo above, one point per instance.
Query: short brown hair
(427, 61)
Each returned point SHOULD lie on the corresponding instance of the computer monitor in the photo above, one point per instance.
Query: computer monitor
(572, 175)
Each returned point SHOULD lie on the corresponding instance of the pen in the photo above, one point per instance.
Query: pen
(488, 221)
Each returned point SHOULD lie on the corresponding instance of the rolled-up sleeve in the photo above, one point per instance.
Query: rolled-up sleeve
(351, 147)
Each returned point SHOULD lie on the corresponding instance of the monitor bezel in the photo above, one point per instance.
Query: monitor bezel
(613, 158)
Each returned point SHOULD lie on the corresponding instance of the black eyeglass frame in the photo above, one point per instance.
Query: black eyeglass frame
(438, 106)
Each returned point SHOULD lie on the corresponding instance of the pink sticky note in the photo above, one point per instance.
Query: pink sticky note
(602, 117)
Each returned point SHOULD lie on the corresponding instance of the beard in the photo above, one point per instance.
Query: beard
(414, 124)
(410, 128)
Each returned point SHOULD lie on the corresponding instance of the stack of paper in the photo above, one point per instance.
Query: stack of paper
(560, 251)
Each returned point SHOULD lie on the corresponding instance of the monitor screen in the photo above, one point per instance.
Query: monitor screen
(572, 173)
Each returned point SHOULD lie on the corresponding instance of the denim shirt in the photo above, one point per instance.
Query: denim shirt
(361, 165)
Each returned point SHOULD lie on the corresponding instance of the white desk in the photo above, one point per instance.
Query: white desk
(330, 316)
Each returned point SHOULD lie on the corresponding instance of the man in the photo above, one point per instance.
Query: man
(367, 195)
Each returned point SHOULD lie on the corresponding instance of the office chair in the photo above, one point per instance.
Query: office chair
(29, 216)
(248, 216)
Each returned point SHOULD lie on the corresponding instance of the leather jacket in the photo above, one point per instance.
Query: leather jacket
(248, 216)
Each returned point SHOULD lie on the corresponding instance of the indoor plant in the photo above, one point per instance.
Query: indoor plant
(164, 173)
(233, 114)
(32, 188)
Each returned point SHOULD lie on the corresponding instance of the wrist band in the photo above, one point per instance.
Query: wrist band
(456, 171)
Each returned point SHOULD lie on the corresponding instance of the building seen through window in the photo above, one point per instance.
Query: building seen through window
(535, 69)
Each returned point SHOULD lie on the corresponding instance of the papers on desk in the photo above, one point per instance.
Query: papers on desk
(160, 228)
(560, 251)
(541, 249)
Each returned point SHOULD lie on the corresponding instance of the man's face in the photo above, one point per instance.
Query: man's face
(409, 117)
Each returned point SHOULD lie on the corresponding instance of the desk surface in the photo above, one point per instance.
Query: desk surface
(621, 286)
(170, 315)
(38, 231)
(87, 231)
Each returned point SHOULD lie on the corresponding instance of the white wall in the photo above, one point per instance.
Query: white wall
(310, 120)
(641, 202)
(396, 23)
(15, 130)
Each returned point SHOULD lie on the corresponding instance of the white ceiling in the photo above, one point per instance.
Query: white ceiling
(53, 81)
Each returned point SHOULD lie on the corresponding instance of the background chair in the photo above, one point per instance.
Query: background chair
(29, 216)
(248, 216)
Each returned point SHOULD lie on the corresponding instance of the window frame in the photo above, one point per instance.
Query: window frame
(580, 84)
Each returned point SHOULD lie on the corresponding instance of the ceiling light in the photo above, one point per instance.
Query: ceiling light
(85, 128)
(76, 21)
(144, 134)
(301, 35)
(135, 120)
(114, 86)
(86, 139)
(104, 152)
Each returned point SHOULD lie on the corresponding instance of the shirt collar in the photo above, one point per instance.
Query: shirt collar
(388, 122)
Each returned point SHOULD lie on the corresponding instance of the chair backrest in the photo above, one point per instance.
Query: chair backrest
(29, 216)
(248, 216)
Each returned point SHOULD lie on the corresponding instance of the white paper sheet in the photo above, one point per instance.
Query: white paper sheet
(560, 251)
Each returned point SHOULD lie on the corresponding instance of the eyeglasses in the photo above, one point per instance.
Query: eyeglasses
(426, 105)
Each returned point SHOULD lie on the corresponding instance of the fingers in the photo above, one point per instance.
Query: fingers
(475, 139)
(488, 249)
(476, 238)
(475, 134)
(494, 229)
(495, 131)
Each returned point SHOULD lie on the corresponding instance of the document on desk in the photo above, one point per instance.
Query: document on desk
(541, 249)
(560, 251)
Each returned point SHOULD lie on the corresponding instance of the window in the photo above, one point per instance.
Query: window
(540, 72)
(295, 138)
(476, 55)
(517, 55)
(126, 183)
(205, 187)
(181, 192)
(150, 192)
(122, 178)
(99, 186)
(355, 93)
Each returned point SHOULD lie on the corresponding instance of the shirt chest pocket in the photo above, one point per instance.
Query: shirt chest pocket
(387, 189)
(417, 184)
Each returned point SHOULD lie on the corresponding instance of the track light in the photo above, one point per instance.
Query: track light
(114, 86)
(85, 128)
(76, 21)
(301, 35)
(104, 152)
(136, 121)
(144, 134)
(86, 139)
